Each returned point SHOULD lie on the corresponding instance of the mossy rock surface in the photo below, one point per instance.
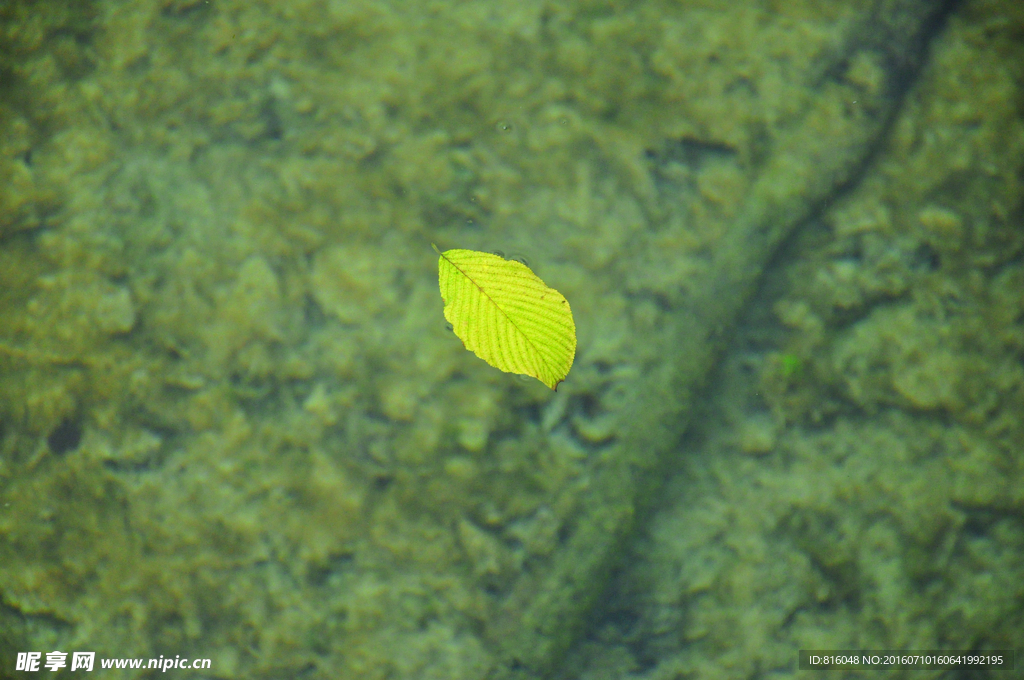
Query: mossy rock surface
(216, 274)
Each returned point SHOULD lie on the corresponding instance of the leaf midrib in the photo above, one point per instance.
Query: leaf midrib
(469, 278)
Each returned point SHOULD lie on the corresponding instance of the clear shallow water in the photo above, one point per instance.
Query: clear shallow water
(235, 428)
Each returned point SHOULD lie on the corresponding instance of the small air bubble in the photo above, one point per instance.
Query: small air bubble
(503, 126)
(498, 253)
(519, 258)
(450, 327)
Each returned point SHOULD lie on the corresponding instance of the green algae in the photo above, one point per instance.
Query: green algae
(886, 510)
(281, 468)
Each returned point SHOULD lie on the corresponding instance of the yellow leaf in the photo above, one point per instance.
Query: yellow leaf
(506, 315)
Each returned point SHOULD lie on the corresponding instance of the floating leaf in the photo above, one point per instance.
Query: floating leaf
(506, 315)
